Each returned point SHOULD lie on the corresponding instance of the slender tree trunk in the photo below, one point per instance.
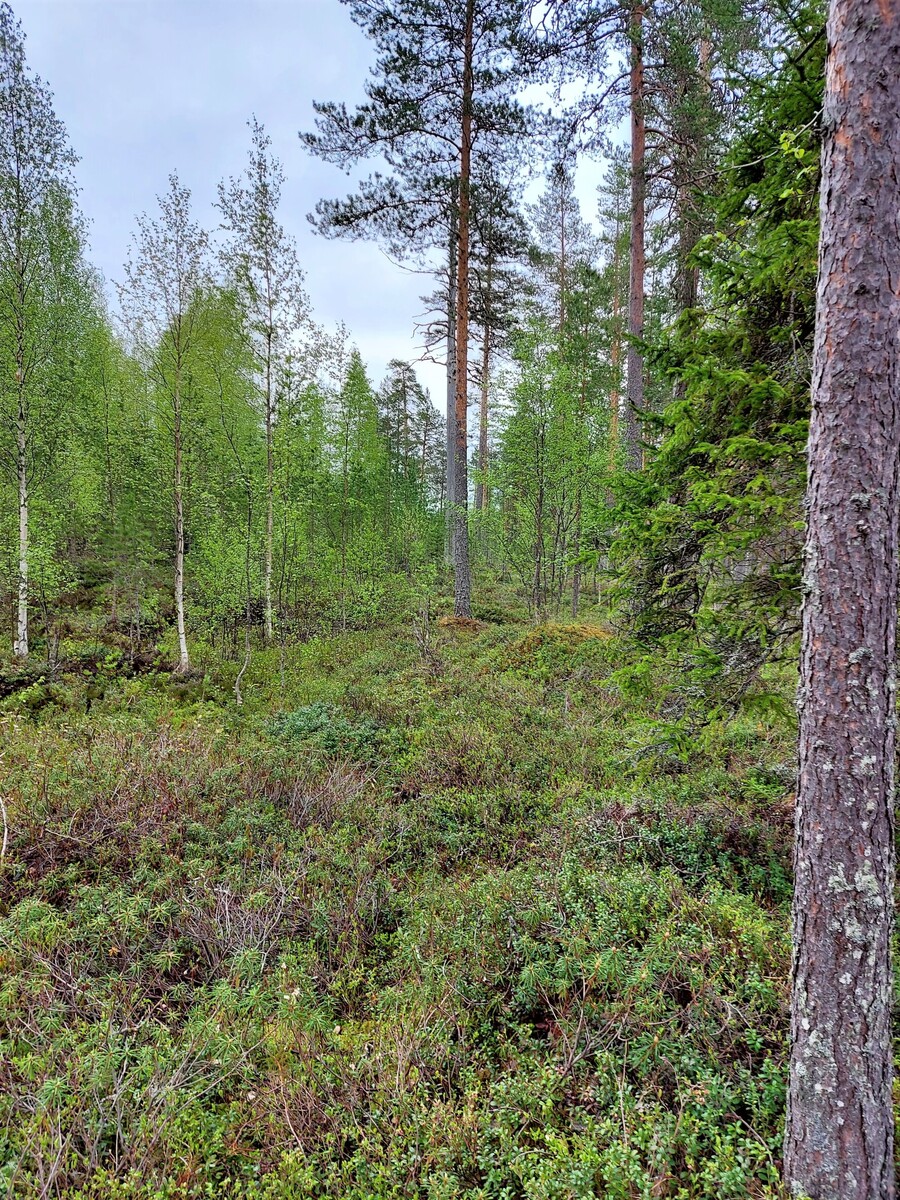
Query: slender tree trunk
(615, 355)
(481, 491)
(238, 694)
(426, 429)
(839, 1137)
(562, 262)
(270, 494)
(576, 569)
(110, 500)
(638, 205)
(462, 579)
(537, 588)
(405, 434)
(345, 494)
(451, 388)
(579, 497)
(184, 662)
(21, 641)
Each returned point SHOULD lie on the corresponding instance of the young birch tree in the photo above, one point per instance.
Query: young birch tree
(39, 254)
(263, 262)
(165, 275)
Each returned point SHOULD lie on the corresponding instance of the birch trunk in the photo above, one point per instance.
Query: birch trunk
(21, 640)
(270, 493)
(481, 491)
(184, 662)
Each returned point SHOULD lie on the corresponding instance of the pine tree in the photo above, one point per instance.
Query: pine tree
(839, 1138)
(442, 94)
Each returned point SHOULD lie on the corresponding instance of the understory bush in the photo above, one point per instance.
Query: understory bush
(407, 925)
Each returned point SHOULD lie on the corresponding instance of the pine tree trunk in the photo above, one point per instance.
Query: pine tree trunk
(635, 362)
(451, 390)
(839, 1137)
(615, 354)
(462, 580)
(691, 132)
(184, 662)
(21, 640)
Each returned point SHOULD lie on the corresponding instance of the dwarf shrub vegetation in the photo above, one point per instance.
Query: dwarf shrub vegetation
(410, 923)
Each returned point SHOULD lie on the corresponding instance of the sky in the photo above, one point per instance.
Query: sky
(147, 87)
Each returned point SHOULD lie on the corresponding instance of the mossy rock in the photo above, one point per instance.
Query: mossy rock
(557, 636)
(461, 624)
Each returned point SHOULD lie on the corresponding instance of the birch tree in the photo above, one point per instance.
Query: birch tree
(263, 261)
(39, 259)
(165, 275)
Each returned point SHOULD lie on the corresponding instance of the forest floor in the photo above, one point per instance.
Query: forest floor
(435, 913)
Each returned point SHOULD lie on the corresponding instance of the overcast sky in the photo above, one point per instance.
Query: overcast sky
(146, 87)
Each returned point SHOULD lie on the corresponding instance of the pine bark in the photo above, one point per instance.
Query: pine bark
(635, 360)
(462, 579)
(451, 387)
(839, 1135)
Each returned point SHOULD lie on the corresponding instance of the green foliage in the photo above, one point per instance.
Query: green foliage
(708, 556)
(405, 925)
(328, 729)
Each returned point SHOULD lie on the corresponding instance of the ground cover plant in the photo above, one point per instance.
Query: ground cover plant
(404, 924)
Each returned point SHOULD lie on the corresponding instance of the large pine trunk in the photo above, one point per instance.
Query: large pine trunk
(462, 579)
(635, 361)
(839, 1136)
